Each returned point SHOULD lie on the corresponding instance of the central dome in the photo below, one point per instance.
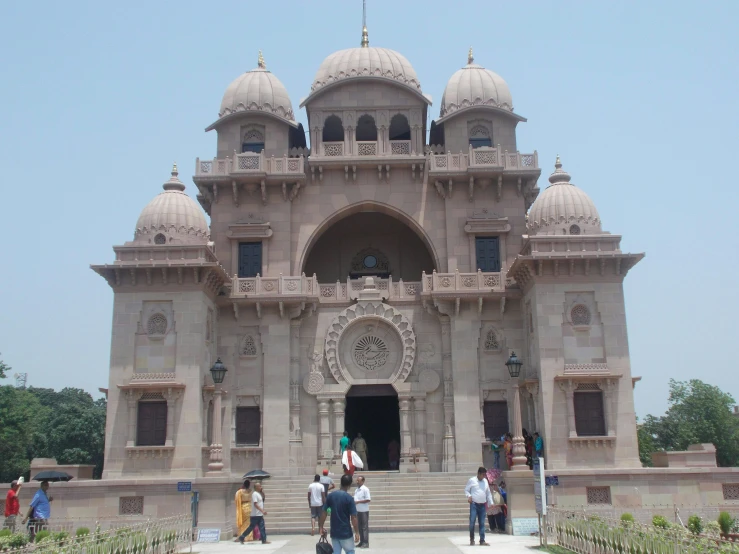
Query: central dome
(366, 62)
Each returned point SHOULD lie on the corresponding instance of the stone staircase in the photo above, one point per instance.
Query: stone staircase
(400, 502)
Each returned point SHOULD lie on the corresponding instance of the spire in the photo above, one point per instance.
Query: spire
(174, 182)
(365, 34)
(470, 57)
(560, 176)
(260, 61)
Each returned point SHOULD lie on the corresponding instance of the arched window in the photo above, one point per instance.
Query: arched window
(253, 141)
(333, 129)
(480, 136)
(366, 129)
(580, 315)
(399, 128)
(160, 239)
(157, 325)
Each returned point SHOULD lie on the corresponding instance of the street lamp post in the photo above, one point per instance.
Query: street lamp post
(519, 448)
(218, 372)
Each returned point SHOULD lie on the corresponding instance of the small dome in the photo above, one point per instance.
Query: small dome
(366, 61)
(473, 85)
(257, 90)
(172, 217)
(563, 209)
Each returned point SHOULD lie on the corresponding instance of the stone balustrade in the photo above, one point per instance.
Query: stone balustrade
(389, 289)
(363, 148)
(483, 158)
(463, 282)
(255, 287)
(250, 162)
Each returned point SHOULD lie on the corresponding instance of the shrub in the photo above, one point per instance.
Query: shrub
(82, 532)
(712, 529)
(41, 535)
(18, 540)
(695, 524)
(726, 522)
(5, 533)
(626, 518)
(61, 536)
(660, 522)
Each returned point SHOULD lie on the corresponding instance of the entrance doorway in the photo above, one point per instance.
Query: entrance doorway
(373, 411)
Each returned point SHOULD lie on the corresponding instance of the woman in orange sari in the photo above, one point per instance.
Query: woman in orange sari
(243, 510)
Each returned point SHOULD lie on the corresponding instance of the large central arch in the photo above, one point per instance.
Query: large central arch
(366, 207)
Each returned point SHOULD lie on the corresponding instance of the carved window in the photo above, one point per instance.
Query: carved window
(366, 129)
(599, 495)
(370, 261)
(131, 505)
(731, 491)
(248, 346)
(333, 129)
(492, 342)
(160, 239)
(589, 413)
(253, 141)
(495, 416)
(480, 136)
(248, 424)
(574, 229)
(151, 424)
(580, 315)
(157, 324)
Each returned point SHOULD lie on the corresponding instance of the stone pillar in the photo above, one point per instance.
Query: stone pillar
(275, 404)
(170, 396)
(608, 411)
(216, 446)
(133, 400)
(406, 442)
(295, 433)
(449, 463)
(419, 405)
(569, 389)
(519, 447)
(324, 430)
(533, 389)
(339, 407)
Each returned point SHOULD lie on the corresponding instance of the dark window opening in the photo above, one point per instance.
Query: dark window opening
(488, 253)
(151, 427)
(495, 416)
(250, 259)
(399, 128)
(478, 142)
(333, 130)
(589, 416)
(366, 129)
(248, 426)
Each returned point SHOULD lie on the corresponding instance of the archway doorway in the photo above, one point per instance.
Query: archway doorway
(373, 411)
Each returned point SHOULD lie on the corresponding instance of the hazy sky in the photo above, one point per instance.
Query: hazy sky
(639, 98)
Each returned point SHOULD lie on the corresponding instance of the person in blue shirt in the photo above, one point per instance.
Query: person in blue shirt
(340, 504)
(538, 445)
(39, 511)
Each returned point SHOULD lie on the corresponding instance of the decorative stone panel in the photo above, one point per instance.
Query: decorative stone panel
(131, 505)
(599, 495)
(731, 491)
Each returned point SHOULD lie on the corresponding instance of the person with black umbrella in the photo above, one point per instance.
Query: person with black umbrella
(39, 511)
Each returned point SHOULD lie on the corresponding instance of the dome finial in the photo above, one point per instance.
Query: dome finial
(470, 57)
(365, 34)
(260, 61)
(174, 182)
(560, 176)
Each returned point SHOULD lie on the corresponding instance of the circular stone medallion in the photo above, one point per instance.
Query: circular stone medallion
(370, 352)
(313, 383)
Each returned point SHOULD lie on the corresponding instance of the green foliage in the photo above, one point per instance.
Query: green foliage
(695, 524)
(5, 533)
(712, 529)
(726, 523)
(626, 518)
(18, 540)
(646, 445)
(82, 532)
(698, 413)
(660, 522)
(60, 536)
(42, 535)
(4, 368)
(40, 423)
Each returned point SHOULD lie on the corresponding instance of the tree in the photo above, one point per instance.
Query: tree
(697, 413)
(4, 368)
(21, 416)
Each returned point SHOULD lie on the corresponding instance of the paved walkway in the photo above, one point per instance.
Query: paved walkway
(382, 543)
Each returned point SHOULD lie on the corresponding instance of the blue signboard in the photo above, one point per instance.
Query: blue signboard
(552, 481)
(184, 486)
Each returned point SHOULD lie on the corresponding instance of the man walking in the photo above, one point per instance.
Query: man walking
(351, 462)
(40, 510)
(362, 500)
(316, 500)
(478, 495)
(344, 442)
(257, 515)
(12, 506)
(327, 482)
(343, 518)
(360, 447)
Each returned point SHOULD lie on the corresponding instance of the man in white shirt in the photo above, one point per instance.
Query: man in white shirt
(362, 500)
(316, 500)
(351, 462)
(478, 496)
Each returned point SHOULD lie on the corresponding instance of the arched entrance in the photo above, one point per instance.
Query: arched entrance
(372, 410)
(368, 244)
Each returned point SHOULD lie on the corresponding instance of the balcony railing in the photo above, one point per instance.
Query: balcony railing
(463, 282)
(485, 157)
(366, 148)
(400, 147)
(389, 289)
(249, 162)
(360, 148)
(333, 149)
(299, 285)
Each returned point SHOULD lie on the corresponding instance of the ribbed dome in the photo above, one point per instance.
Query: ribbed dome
(563, 209)
(473, 85)
(366, 62)
(257, 90)
(172, 217)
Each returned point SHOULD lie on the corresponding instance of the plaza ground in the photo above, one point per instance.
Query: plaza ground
(408, 543)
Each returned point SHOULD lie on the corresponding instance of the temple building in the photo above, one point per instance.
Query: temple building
(374, 278)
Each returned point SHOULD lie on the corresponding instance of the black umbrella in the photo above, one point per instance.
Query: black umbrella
(257, 474)
(53, 475)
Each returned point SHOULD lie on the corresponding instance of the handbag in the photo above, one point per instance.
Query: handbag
(323, 546)
(256, 535)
